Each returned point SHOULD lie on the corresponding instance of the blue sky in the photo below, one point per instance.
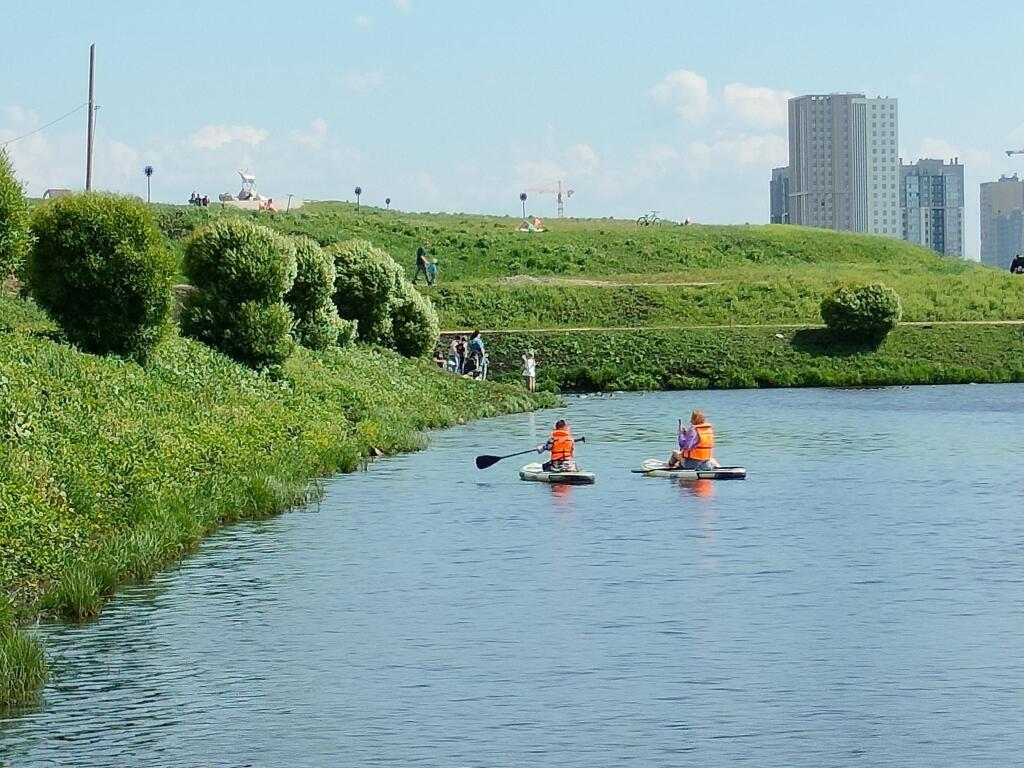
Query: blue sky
(459, 106)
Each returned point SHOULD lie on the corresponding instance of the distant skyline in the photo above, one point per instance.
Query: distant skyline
(458, 106)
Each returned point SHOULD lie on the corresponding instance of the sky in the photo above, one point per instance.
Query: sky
(453, 105)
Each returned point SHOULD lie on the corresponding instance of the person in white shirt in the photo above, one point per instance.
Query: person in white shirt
(530, 371)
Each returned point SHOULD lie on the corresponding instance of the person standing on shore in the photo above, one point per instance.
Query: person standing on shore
(530, 371)
(421, 266)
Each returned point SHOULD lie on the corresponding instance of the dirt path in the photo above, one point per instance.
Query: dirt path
(594, 328)
(533, 280)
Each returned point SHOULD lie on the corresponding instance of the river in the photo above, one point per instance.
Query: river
(858, 600)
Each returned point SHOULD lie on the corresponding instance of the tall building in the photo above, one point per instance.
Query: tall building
(1000, 228)
(844, 163)
(779, 194)
(877, 205)
(932, 203)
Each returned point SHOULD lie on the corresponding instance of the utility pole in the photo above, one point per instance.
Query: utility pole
(92, 118)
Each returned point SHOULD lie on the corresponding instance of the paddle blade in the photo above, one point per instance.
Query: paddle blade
(483, 462)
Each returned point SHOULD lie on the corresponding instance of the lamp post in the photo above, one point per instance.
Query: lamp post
(288, 207)
(522, 199)
(359, 191)
(387, 203)
(148, 171)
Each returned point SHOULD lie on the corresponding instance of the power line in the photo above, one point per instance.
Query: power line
(43, 127)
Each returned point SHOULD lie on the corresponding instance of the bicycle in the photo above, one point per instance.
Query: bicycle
(649, 219)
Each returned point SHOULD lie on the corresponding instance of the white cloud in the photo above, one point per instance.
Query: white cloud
(315, 137)
(764, 150)
(216, 136)
(584, 159)
(363, 81)
(403, 5)
(758, 106)
(363, 21)
(685, 92)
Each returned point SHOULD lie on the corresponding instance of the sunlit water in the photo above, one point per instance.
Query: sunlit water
(859, 600)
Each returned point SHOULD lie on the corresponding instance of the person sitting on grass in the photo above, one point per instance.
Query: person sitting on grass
(696, 444)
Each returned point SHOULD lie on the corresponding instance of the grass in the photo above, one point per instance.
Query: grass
(110, 470)
(761, 274)
(761, 357)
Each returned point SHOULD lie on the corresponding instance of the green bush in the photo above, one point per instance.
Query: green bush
(414, 323)
(99, 267)
(241, 272)
(866, 313)
(366, 285)
(14, 232)
(317, 323)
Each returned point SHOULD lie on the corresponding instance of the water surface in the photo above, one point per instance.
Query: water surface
(857, 601)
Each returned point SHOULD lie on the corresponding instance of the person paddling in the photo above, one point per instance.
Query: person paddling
(561, 445)
(696, 444)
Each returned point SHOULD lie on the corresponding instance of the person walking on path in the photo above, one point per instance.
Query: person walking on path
(421, 266)
(530, 371)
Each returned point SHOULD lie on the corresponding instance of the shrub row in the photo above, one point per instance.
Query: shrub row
(101, 269)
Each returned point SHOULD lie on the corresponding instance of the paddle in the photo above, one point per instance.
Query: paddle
(483, 462)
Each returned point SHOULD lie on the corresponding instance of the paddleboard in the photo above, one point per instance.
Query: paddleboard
(535, 473)
(658, 468)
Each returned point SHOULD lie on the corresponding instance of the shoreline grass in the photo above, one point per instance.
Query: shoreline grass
(741, 358)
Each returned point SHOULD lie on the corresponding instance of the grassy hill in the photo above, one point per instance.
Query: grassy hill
(610, 273)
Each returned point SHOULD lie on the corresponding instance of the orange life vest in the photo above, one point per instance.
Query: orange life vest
(561, 445)
(705, 442)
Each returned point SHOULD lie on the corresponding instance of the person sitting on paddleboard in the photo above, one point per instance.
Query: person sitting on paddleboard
(696, 444)
(561, 444)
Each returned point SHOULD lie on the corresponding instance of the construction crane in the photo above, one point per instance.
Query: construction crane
(1014, 152)
(561, 193)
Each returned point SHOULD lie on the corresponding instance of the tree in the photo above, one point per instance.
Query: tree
(864, 314)
(14, 220)
(100, 269)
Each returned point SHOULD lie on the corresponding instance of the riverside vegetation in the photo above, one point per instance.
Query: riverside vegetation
(534, 290)
(114, 465)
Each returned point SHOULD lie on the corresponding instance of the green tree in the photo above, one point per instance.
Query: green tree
(100, 268)
(864, 314)
(241, 272)
(14, 220)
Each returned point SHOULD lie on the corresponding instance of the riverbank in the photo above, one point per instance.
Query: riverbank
(111, 470)
(750, 357)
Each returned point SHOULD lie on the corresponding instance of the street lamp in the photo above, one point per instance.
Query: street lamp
(522, 199)
(148, 171)
(359, 191)
(288, 207)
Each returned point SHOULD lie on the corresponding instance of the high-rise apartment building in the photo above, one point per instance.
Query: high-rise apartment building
(999, 201)
(778, 190)
(932, 205)
(877, 205)
(844, 163)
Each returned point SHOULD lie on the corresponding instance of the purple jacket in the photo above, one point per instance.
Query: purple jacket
(688, 439)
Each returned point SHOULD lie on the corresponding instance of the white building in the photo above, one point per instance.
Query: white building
(877, 208)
